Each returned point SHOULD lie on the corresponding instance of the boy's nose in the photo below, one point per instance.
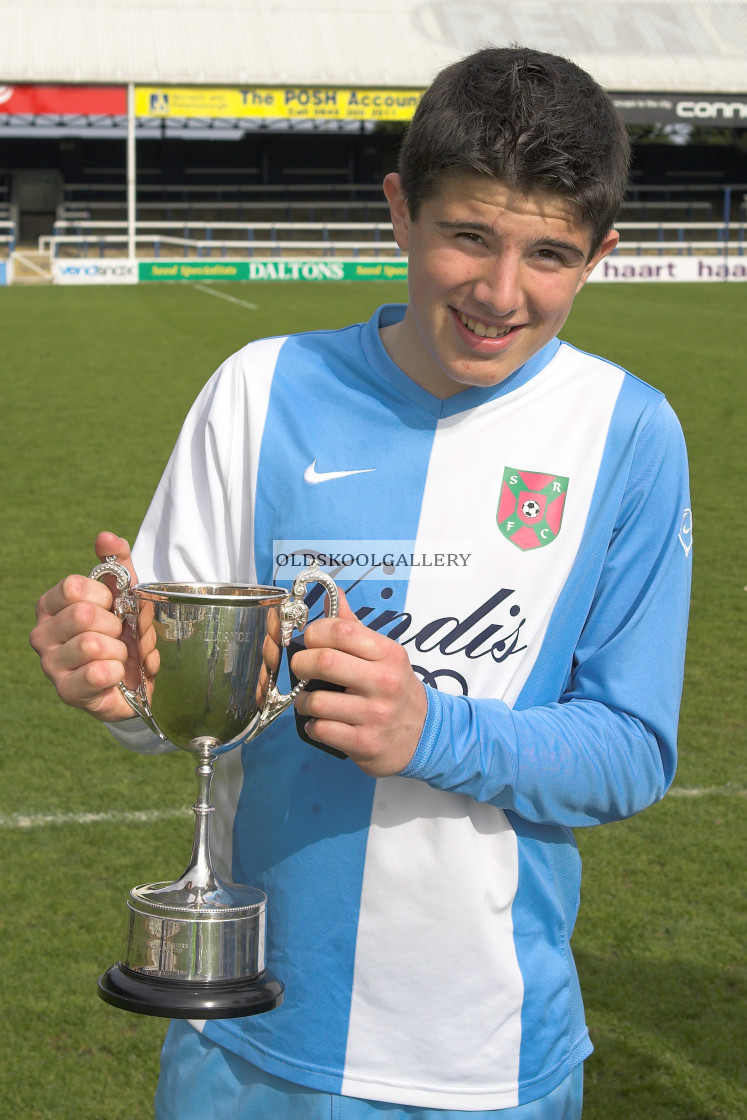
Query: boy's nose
(499, 288)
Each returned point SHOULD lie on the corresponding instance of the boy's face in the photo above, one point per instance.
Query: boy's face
(492, 276)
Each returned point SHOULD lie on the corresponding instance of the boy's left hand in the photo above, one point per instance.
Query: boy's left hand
(379, 717)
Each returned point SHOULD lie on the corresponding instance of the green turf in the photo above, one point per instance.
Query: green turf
(96, 384)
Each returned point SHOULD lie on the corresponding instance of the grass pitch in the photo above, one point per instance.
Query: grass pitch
(96, 384)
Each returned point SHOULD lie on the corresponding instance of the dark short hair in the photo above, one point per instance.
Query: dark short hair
(534, 121)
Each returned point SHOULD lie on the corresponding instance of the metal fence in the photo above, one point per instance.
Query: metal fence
(86, 237)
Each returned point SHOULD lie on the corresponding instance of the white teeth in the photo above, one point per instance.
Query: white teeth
(481, 330)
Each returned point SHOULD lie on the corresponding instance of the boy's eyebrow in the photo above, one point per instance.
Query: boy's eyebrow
(483, 227)
(566, 246)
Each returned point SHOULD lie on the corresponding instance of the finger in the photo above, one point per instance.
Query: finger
(343, 607)
(388, 676)
(326, 665)
(352, 738)
(348, 635)
(74, 619)
(340, 736)
(339, 707)
(109, 544)
(84, 649)
(70, 590)
(95, 688)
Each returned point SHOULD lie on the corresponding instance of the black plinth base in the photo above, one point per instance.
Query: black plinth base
(179, 999)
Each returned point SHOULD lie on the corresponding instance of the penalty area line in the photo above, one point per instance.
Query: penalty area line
(225, 296)
(43, 820)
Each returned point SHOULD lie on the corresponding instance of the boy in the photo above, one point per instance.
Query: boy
(422, 901)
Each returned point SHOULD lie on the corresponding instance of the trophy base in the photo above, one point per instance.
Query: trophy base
(179, 999)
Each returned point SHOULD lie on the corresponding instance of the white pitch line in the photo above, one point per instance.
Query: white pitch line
(729, 790)
(41, 820)
(222, 295)
(146, 816)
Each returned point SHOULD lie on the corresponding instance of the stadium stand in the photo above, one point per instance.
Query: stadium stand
(270, 186)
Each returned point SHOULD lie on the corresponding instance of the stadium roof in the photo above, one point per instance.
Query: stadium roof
(631, 45)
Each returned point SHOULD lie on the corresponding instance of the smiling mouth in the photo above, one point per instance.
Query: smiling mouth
(483, 330)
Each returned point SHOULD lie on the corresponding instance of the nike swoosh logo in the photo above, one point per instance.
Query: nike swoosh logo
(311, 474)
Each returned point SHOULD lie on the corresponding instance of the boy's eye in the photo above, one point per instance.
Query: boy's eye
(551, 255)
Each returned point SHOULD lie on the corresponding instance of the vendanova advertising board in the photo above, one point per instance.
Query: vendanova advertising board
(115, 271)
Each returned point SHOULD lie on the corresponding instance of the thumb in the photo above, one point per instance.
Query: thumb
(343, 610)
(109, 544)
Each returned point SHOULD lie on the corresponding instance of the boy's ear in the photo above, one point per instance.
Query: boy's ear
(608, 244)
(398, 209)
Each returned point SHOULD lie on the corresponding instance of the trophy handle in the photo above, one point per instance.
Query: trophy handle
(294, 615)
(125, 607)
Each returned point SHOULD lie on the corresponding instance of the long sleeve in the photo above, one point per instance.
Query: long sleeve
(605, 748)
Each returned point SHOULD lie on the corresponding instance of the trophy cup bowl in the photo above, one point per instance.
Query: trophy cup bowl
(195, 947)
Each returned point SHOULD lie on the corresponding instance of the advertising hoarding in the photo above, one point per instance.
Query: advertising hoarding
(281, 269)
(619, 269)
(287, 102)
(51, 100)
(118, 271)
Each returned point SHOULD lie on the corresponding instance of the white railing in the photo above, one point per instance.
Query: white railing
(731, 247)
(242, 208)
(83, 225)
(206, 247)
(728, 235)
(315, 209)
(92, 237)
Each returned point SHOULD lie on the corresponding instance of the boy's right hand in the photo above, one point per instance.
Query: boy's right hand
(85, 650)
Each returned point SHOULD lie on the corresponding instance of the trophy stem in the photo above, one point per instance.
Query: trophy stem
(199, 876)
(201, 866)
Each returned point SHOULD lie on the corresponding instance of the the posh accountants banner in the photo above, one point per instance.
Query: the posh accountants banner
(51, 100)
(292, 102)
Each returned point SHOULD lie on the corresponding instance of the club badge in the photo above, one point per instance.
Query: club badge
(530, 510)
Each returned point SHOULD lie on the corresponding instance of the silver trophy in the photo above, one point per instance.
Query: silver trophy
(195, 948)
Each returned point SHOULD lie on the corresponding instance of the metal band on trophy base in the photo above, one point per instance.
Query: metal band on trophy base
(195, 947)
(176, 999)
